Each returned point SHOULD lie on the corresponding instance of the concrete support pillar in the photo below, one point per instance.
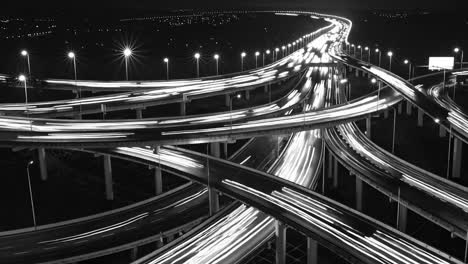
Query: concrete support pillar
(402, 218)
(247, 95)
(215, 149)
(442, 131)
(108, 178)
(420, 117)
(134, 253)
(42, 163)
(409, 108)
(183, 109)
(369, 126)
(213, 199)
(357, 73)
(400, 108)
(227, 100)
(139, 113)
(158, 185)
(312, 248)
(225, 150)
(335, 173)
(385, 113)
(359, 190)
(280, 232)
(265, 88)
(457, 156)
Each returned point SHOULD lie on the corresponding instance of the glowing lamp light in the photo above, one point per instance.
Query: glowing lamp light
(216, 56)
(71, 55)
(456, 50)
(166, 60)
(22, 78)
(197, 56)
(277, 49)
(283, 48)
(373, 80)
(377, 50)
(389, 53)
(406, 62)
(238, 96)
(359, 46)
(343, 81)
(243, 54)
(24, 53)
(267, 51)
(437, 120)
(366, 48)
(127, 52)
(257, 54)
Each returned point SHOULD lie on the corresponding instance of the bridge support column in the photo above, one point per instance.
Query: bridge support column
(385, 113)
(357, 73)
(369, 126)
(457, 156)
(280, 232)
(225, 150)
(409, 108)
(442, 132)
(42, 163)
(420, 118)
(330, 165)
(312, 248)
(139, 113)
(183, 108)
(402, 217)
(213, 199)
(359, 190)
(335, 173)
(247, 95)
(214, 149)
(108, 178)
(227, 100)
(265, 88)
(400, 108)
(134, 253)
(158, 181)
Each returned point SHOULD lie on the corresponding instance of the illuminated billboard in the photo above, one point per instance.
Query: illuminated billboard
(441, 63)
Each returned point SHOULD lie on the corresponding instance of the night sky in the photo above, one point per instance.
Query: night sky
(219, 4)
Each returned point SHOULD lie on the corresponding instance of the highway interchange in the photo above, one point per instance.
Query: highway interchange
(312, 117)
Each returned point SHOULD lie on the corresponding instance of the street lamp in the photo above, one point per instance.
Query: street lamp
(238, 96)
(25, 54)
(354, 49)
(390, 55)
(275, 57)
(197, 57)
(368, 54)
(458, 50)
(380, 55)
(127, 52)
(360, 50)
(256, 58)
(30, 193)
(243, 54)
(216, 57)
(283, 48)
(267, 53)
(166, 61)
(22, 79)
(407, 62)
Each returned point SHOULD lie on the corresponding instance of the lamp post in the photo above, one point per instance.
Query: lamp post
(267, 53)
(127, 52)
(197, 57)
(283, 48)
(166, 61)
(379, 52)
(407, 62)
(354, 50)
(390, 55)
(216, 57)
(368, 54)
(458, 50)
(360, 51)
(25, 54)
(256, 58)
(30, 193)
(289, 49)
(243, 54)
(275, 56)
(22, 79)
(238, 96)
